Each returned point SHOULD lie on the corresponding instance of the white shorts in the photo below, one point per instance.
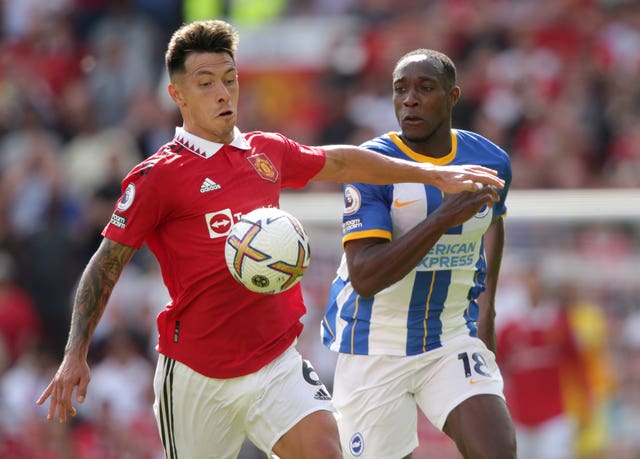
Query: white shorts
(376, 395)
(552, 439)
(201, 417)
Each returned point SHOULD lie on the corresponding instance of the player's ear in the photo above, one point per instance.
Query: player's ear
(454, 95)
(176, 94)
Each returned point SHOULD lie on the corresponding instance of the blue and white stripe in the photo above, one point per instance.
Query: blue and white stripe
(436, 301)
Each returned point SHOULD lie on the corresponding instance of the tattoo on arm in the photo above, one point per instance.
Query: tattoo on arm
(95, 287)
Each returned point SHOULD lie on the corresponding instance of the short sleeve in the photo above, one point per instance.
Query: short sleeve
(139, 209)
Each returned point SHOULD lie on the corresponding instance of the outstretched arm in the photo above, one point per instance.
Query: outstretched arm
(353, 164)
(95, 287)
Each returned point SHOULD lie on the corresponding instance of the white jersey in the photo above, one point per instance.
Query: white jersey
(437, 300)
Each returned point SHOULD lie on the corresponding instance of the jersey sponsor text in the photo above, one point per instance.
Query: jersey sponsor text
(351, 225)
(446, 256)
(117, 220)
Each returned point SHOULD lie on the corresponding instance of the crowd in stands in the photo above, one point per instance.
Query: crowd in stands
(83, 99)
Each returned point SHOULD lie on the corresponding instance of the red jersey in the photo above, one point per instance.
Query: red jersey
(533, 352)
(182, 202)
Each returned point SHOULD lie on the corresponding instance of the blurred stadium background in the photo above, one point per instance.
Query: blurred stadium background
(83, 98)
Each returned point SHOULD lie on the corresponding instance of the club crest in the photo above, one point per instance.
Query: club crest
(263, 166)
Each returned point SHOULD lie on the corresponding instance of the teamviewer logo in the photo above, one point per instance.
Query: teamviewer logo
(219, 223)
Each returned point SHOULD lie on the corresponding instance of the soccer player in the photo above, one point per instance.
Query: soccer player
(411, 309)
(545, 371)
(228, 368)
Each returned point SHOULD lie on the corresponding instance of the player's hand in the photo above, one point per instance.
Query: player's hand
(72, 373)
(460, 207)
(455, 179)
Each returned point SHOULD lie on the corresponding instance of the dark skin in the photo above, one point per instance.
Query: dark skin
(423, 101)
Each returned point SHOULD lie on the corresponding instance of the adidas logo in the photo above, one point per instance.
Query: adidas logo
(322, 394)
(209, 185)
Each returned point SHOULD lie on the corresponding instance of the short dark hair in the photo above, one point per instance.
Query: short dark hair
(211, 36)
(448, 67)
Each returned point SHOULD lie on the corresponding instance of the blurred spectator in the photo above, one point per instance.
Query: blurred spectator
(624, 415)
(99, 208)
(589, 324)
(149, 122)
(95, 159)
(24, 430)
(36, 66)
(32, 180)
(20, 326)
(535, 350)
(120, 414)
(166, 14)
(127, 57)
(337, 125)
(40, 215)
(20, 18)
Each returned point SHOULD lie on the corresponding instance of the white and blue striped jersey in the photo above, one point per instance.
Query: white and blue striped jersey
(437, 300)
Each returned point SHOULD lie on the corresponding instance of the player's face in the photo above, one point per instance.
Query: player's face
(422, 104)
(207, 95)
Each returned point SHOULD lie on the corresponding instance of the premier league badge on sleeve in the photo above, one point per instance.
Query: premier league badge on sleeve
(127, 197)
(352, 200)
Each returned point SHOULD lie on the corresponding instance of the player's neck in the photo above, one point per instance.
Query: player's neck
(436, 145)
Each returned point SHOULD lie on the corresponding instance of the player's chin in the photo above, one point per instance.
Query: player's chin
(414, 132)
(224, 128)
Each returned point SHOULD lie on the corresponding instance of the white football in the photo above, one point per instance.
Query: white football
(267, 250)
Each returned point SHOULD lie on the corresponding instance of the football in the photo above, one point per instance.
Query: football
(267, 250)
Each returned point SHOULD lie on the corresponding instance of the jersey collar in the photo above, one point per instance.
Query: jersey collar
(395, 138)
(206, 148)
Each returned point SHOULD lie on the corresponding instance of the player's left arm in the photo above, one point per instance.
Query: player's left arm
(346, 164)
(493, 245)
